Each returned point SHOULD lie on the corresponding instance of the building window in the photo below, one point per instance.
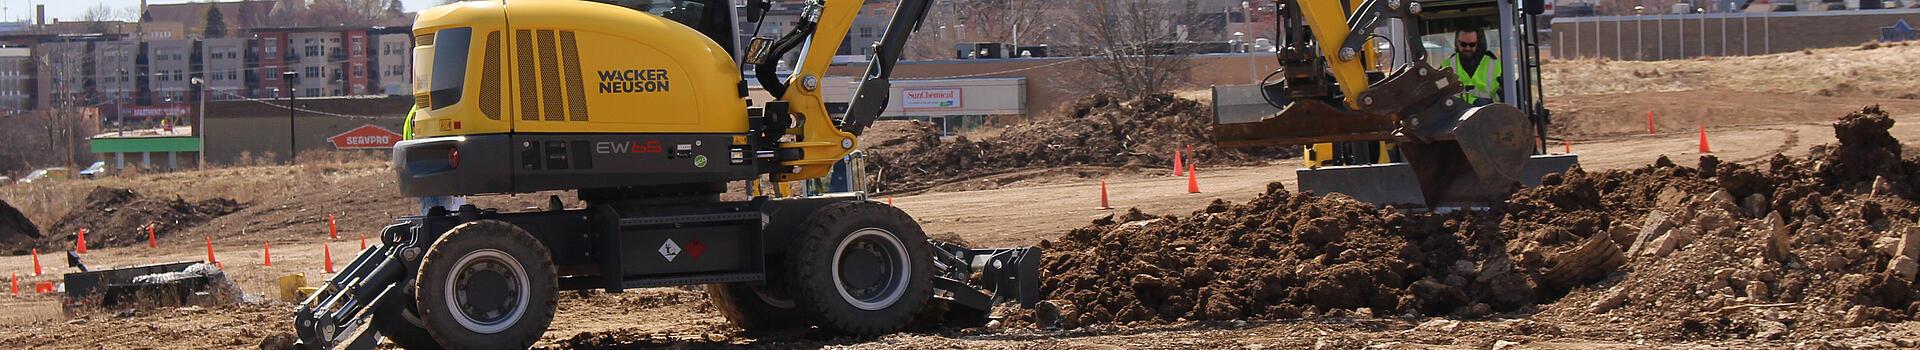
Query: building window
(312, 72)
(866, 32)
(272, 46)
(359, 71)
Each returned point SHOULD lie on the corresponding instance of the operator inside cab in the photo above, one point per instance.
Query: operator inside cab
(1476, 67)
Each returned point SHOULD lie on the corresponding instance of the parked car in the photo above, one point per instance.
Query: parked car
(48, 174)
(94, 170)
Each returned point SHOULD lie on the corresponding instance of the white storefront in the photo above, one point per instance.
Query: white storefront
(953, 104)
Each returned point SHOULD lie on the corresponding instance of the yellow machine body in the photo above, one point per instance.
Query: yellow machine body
(566, 66)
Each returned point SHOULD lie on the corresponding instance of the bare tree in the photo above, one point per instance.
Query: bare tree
(97, 17)
(950, 23)
(345, 12)
(937, 35)
(1006, 21)
(1134, 43)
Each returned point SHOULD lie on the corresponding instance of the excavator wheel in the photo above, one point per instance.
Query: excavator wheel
(757, 309)
(399, 323)
(486, 285)
(861, 268)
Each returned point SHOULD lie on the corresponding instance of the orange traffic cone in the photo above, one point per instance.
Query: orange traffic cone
(889, 201)
(1193, 179)
(210, 258)
(1703, 140)
(82, 243)
(326, 256)
(36, 261)
(266, 252)
(152, 242)
(1179, 167)
(1568, 145)
(332, 233)
(1650, 129)
(363, 241)
(16, 284)
(1103, 195)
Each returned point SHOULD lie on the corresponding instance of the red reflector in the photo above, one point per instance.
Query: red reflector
(453, 157)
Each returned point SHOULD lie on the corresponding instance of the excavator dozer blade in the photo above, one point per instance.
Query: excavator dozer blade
(1392, 184)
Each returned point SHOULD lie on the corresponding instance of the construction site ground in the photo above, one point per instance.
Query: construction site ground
(289, 206)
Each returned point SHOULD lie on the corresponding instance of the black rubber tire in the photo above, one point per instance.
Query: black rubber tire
(743, 304)
(811, 264)
(394, 326)
(479, 237)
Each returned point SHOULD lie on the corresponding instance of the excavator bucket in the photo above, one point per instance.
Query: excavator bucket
(1469, 157)
(1455, 156)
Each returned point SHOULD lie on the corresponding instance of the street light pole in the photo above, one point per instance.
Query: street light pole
(1240, 40)
(292, 143)
(200, 128)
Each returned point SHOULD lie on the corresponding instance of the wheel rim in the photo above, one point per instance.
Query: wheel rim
(870, 269)
(487, 291)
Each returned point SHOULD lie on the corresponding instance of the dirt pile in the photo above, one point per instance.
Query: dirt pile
(16, 232)
(1775, 250)
(1281, 255)
(1097, 130)
(1725, 250)
(116, 217)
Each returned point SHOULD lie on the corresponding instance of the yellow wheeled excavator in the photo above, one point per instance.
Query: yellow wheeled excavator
(640, 107)
(1386, 125)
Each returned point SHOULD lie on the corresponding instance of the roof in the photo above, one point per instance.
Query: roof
(196, 12)
(373, 30)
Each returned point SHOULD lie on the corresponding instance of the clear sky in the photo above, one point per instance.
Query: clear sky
(69, 10)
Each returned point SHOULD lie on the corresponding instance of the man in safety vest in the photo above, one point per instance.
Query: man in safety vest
(1478, 69)
(452, 203)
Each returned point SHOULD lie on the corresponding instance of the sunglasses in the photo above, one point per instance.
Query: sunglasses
(1467, 43)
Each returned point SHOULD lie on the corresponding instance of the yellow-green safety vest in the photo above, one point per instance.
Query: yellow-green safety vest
(406, 126)
(1483, 83)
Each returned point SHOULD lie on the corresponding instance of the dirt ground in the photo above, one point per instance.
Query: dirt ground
(288, 206)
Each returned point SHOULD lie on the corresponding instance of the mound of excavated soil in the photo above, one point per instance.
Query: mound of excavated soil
(1282, 255)
(16, 232)
(1722, 250)
(116, 217)
(1096, 130)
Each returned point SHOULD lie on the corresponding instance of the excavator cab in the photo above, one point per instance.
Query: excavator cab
(1416, 134)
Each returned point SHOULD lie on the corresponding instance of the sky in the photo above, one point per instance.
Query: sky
(69, 10)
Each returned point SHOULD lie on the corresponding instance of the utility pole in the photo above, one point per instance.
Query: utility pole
(292, 143)
(200, 128)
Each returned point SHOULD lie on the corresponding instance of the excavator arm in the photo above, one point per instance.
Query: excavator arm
(818, 139)
(1458, 155)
